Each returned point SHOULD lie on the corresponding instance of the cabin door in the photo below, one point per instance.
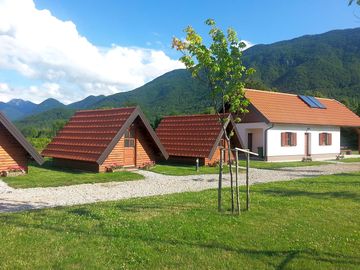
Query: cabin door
(129, 147)
(307, 144)
(250, 141)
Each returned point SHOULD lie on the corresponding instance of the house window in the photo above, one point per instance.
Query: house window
(129, 140)
(288, 139)
(325, 138)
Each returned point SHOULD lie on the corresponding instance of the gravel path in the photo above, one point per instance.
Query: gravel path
(12, 200)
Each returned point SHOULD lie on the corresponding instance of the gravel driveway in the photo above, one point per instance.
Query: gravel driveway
(154, 184)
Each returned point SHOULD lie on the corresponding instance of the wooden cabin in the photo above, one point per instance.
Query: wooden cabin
(101, 140)
(15, 150)
(190, 137)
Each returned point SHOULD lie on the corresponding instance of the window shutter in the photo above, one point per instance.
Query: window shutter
(321, 139)
(329, 139)
(283, 138)
(294, 139)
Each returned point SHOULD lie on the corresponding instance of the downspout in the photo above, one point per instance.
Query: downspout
(266, 144)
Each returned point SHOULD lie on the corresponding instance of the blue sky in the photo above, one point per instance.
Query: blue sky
(134, 23)
(108, 35)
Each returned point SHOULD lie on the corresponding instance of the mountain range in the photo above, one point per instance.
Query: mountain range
(17, 108)
(323, 65)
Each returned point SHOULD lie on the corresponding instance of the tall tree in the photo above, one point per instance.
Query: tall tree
(219, 65)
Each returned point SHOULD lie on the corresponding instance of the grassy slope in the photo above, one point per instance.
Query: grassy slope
(304, 224)
(48, 176)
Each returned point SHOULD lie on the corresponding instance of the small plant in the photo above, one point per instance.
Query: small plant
(214, 164)
(114, 167)
(306, 159)
(147, 165)
(13, 171)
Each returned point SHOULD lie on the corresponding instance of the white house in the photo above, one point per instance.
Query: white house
(281, 126)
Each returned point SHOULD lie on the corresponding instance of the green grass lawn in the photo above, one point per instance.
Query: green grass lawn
(180, 169)
(48, 176)
(277, 165)
(349, 160)
(304, 224)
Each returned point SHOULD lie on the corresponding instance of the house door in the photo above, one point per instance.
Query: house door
(250, 141)
(307, 145)
(129, 148)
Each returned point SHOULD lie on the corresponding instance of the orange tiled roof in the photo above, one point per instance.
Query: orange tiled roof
(189, 135)
(88, 133)
(290, 109)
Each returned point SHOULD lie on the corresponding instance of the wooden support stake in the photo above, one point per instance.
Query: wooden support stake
(220, 179)
(247, 182)
(237, 182)
(231, 182)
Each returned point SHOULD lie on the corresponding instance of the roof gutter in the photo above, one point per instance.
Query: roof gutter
(265, 143)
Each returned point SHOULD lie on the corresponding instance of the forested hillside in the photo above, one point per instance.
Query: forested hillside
(328, 64)
(322, 65)
(175, 92)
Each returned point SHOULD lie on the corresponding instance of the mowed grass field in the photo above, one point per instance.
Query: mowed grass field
(181, 169)
(309, 223)
(350, 160)
(49, 176)
(278, 165)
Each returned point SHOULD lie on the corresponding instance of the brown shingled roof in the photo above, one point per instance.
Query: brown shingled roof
(290, 109)
(90, 135)
(191, 135)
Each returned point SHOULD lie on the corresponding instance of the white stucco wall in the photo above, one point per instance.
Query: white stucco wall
(257, 129)
(274, 147)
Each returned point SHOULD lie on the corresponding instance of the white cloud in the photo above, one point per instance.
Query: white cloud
(40, 46)
(248, 44)
(35, 93)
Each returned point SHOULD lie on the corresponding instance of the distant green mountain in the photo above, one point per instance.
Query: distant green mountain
(23, 106)
(86, 103)
(11, 112)
(17, 108)
(44, 124)
(47, 105)
(175, 92)
(327, 64)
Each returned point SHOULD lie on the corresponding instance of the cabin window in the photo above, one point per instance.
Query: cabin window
(325, 138)
(222, 143)
(129, 140)
(288, 139)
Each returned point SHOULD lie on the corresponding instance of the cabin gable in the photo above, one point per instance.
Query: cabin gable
(12, 154)
(100, 140)
(143, 150)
